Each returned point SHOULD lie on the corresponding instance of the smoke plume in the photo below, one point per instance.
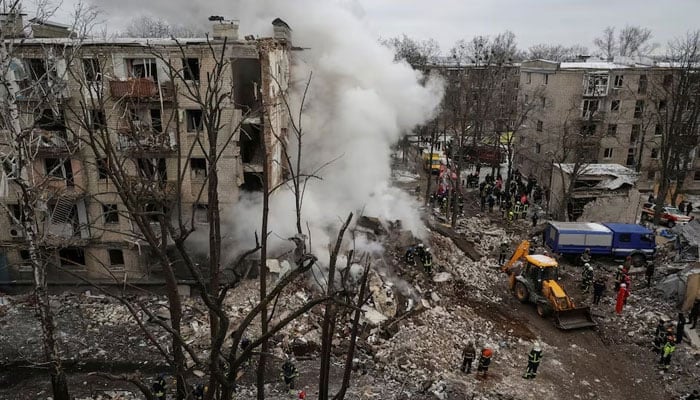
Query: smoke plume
(359, 104)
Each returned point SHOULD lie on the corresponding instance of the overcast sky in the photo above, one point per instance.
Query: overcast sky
(533, 21)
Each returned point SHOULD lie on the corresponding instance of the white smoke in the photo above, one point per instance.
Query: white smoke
(359, 104)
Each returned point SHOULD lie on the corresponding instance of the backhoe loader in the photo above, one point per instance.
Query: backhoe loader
(533, 278)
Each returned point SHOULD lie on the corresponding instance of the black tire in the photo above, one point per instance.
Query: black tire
(544, 310)
(638, 259)
(521, 292)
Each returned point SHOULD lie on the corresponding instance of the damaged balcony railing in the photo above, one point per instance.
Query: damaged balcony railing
(54, 143)
(151, 188)
(144, 89)
(144, 140)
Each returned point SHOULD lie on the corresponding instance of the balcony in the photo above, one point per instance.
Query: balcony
(141, 89)
(42, 90)
(144, 141)
(151, 188)
(54, 143)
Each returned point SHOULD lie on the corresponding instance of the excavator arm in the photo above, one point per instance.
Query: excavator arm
(522, 250)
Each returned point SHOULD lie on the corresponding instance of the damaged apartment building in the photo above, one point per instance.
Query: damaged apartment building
(151, 122)
(604, 114)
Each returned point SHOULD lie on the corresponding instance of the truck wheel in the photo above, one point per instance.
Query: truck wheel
(544, 310)
(638, 260)
(670, 224)
(521, 292)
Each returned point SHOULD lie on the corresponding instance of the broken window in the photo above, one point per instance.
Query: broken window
(252, 182)
(156, 120)
(636, 132)
(116, 257)
(615, 105)
(544, 102)
(589, 108)
(250, 143)
(190, 69)
(540, 126)
(595, 85)
(662, 105)
(102, 171)
(658, 130)
(92, 69)
(612, 129)
(631, 152)
(199, 169)
(97, 120)
(142, 68)
(528, 76)
(152, 168)
(642, 84)
(638, 108)
(246, 87)
(538, 148)
(655, 153)
(696, 175)
(194, 120)
(59, 168)
(618, 81)
(608, 152)
(201, 214)
(110, 213)
(47, 120)
(72, 257)
(15, 213)
(588, 129)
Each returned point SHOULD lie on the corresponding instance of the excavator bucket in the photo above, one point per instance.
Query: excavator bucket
(574, 318)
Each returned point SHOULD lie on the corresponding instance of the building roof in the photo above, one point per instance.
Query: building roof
(580, 226)
(631, 228)
(616, 174)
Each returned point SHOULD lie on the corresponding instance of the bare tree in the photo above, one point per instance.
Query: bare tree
(556, 52)
(417, 53)
(631, 41)
(145, 26)
(676, 112)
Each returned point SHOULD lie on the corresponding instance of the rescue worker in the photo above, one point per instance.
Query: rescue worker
(289, 373)
(587, 277)
(619, 275)
(523, 213)
(586, 256)
(534, 219)
(680, 328)
(410, 256)
(628, 263)
(468, 355)
(649, 272)
(694, 312)
(503, 252)
(598, 289)
(517, 209)
(533, 361)
(159, 387)
(622, 295)
(659, 337)
(491, 202)
(427, 261)
(198, 391)
(419, 250)
(666, 352)
(484, 361)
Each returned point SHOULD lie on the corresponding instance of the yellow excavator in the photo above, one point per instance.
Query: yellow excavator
(533, 278)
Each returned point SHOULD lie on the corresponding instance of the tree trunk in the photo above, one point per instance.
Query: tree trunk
(260, 375)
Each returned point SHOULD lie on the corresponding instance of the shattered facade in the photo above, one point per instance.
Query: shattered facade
(149, 117)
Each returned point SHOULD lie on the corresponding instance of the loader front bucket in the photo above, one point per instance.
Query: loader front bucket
(574, 318)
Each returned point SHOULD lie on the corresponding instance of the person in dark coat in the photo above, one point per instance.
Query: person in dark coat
(680, 328)
(468, 355)
(649, 272)
(694, 312)
(688, 208)
(533, 362)
(598, 289)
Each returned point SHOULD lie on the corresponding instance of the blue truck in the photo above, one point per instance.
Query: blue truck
(604, 239)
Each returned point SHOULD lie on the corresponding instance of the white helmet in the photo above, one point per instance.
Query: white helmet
(427, 250)
(590, 268)
(420, 244)
(587, 265)
(620, 267)
(623, 285)
(536, 346)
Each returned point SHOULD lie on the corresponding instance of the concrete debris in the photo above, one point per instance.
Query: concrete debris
(442, 277)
